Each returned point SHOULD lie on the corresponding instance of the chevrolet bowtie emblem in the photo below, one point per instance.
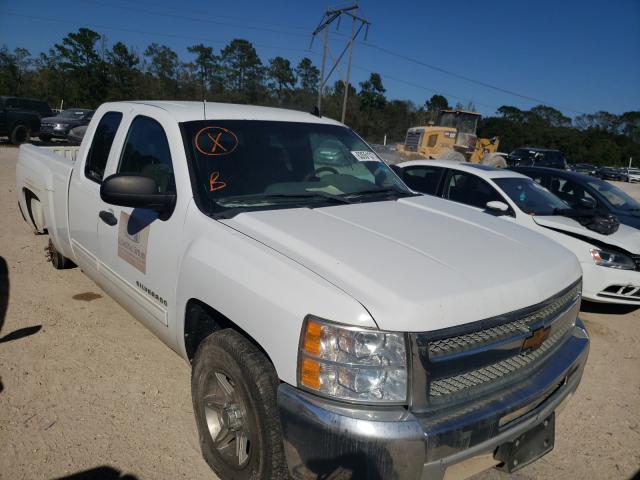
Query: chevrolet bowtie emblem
(536, 338)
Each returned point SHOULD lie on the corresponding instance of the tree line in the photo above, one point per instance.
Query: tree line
(84, 71)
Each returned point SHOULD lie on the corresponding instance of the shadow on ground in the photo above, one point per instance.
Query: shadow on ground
(4, 290)
(607, 308)
(99, 473)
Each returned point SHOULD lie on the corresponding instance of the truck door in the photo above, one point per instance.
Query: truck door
(84, 193)
(139, 251)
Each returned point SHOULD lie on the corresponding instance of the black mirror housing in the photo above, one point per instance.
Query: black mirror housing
(586, 202)
(136, 191)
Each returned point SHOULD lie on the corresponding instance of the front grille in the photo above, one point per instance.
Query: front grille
(412, 141)
(496, 370)
(479, 338)
(465, 362)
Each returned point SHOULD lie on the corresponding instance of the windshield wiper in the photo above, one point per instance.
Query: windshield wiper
(328, 196)
(378, 191)
(249, 200)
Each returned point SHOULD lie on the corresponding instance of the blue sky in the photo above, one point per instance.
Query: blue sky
(580, 56)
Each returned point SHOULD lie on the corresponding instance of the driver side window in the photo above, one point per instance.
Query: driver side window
(146, 151)
(569, 191)
(468, 189)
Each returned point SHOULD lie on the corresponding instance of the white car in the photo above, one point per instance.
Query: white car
(633, 174)
(610, 263)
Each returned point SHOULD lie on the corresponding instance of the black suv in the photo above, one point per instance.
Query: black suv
(20, 117)
(538, 157)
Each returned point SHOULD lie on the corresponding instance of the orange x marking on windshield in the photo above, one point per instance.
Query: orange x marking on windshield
(216, 142)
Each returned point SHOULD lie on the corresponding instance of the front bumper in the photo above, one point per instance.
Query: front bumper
(610, 285)
(53, 131)
(333, 440)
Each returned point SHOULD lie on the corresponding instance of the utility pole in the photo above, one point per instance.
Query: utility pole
(328, 18)
(346, 82)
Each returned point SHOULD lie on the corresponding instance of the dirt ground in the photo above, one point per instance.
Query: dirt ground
(85, 387)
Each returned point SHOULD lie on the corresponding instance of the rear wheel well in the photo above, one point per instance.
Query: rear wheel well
(201, 320)
(28, 196)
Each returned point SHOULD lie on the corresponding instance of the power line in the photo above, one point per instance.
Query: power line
(143, 32)
(194, 19)
(468, 79)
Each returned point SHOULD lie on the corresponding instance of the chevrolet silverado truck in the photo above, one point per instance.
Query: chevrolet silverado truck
(338, 324)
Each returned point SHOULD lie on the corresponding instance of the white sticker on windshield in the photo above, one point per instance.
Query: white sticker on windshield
(365, 156)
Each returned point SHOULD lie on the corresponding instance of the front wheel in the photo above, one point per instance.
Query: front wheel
(234, 388)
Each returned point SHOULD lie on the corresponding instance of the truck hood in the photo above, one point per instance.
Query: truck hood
(419, 263)
(627, 238)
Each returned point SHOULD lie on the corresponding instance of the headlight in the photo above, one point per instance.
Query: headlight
(61, 125)
(606, 258)
(353, 364)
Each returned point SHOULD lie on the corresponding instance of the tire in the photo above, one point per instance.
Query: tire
(45, 138)
(234, 388)
(59, 261)
(494, 160)
(20, 134)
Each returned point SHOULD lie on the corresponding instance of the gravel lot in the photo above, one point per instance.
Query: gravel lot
(85, 387)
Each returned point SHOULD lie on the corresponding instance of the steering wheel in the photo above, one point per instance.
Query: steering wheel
(315, 173)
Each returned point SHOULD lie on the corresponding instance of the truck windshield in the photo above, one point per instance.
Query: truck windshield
(530, 197)
(251, 164)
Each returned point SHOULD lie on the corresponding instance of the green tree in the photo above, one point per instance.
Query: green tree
(85, 70)
(434, 105)
(281, 76)
(123, 73)
(308, 75)
(243, 69)
(551, 116)
(372, 93)
(163, 65)
(208, 68)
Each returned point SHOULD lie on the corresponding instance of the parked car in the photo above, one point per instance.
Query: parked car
(610, 173)
(610, 261)
(585, 168)
(60, 125)
(20, 117)
(336, 322)
(574, 188)
(542, 157)
(633, 174)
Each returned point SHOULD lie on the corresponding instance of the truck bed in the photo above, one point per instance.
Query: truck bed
(44, 173)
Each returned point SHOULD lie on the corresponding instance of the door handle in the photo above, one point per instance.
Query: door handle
(108, 217)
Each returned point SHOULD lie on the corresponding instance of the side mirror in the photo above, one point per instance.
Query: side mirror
(497, 207)
(586, 202)
(136, 191)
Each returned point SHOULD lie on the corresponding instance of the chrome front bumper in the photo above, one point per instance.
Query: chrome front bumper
(333, 440)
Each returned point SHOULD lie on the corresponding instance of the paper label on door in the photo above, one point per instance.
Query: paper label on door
(133, 237)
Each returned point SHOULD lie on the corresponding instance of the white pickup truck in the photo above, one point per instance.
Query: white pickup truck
(338, 324)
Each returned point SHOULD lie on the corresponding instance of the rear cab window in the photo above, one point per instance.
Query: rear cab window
(101, 146)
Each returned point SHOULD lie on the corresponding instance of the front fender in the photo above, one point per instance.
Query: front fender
(262, 291)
